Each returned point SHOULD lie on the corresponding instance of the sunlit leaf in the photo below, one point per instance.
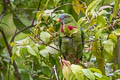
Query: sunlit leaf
(109, 46)
(92, 6)
(98, 75)
(95, 70)
(31, 51)
(116, 7)
(116, 32)
(66, 71)
(113, 37)
(100, 21)
(98, 34)
(78, 7)
(77, 71)
(45, 36)
(88, 74)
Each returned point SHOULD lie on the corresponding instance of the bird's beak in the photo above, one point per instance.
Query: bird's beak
(58, 20)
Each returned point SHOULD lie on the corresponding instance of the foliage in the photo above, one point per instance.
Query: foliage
(30, 40)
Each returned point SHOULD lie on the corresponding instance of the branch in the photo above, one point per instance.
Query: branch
(25, 28)
(21, 30)
(10, 53)
(55, 72)
(5, 5)
(44, 42)
(66, 5)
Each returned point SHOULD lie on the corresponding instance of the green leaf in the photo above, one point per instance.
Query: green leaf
(25, 75)
(18, 51)
(56, 2)
(46, 71)
(78, 7)
(116, 32)
(100, 21)
(48, 50)
(19, 24)
(98, 33)
(116, 7)
(31, 50)
(7, 25)
(113, 37)
(77, 71)
(45, 36)
(66, 72)
(98, 75)
(88, 74)
(95, 70)
(92, 6)
(109, 46)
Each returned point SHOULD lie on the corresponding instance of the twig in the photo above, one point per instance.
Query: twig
(10, 53)
(21, 30)
(32, 69)
(25, 28)
(5, 6)
(66, 5)
(44, 42)
(55, 72)
(9, 71)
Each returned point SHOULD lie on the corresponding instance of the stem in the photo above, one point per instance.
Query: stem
(117, 56)
(100, 64)
(55, 72)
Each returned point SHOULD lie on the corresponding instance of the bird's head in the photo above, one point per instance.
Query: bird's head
(65, 18)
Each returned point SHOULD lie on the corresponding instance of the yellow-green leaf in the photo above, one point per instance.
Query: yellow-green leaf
(78, 7)
(31, 50)
(66, 72)
(92, 6)
(88, 74)
(116, 7)
(109, 46)
(77, 71)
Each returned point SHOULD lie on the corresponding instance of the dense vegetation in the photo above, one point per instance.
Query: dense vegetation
(31, 40)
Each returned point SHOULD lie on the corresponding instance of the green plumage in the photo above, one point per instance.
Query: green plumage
(72, 47)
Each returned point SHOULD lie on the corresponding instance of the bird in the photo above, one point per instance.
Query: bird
(71, 38)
